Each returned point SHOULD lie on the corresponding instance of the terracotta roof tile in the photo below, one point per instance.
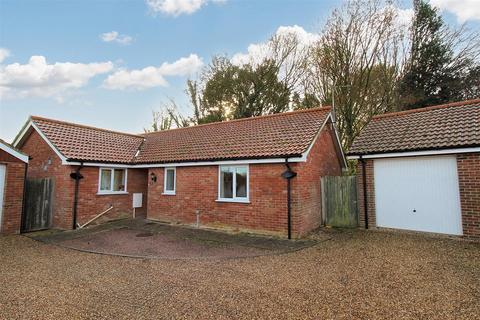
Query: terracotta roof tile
(78, 142)
(452, 125)
(280, 135)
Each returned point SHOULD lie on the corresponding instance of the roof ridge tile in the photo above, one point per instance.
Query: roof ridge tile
(242, 119)
(83, 126)
(429, 108)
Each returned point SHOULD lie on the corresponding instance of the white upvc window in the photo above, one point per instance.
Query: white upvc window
(112, 181)
(233, 183)
(169, 180)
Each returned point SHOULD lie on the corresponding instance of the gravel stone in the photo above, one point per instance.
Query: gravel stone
(354, 275)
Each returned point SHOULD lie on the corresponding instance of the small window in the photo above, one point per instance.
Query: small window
(169, 182)
(233, 183)
(112, 181)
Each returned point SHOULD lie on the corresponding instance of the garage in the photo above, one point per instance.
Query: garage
(419, 170)
(418, 193)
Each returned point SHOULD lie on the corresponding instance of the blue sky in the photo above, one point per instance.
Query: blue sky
(95, 52)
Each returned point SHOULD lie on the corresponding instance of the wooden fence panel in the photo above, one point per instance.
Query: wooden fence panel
(38, 204)
(339, 195)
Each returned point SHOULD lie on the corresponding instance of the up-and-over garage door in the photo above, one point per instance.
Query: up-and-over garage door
(418, 193)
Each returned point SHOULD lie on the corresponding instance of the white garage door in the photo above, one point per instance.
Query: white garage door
(2, 188)
(419, 193)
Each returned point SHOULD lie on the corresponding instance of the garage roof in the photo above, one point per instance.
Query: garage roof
(448, 126)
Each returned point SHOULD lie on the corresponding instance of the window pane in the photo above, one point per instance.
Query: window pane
(226, 183)
(170, 186)
(105, 180)
(241, 188)
(119, 180)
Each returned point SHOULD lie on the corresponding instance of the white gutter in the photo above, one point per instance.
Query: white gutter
(416, 153)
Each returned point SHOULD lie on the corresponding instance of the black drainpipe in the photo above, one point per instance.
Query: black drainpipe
(365, 197)
(77, 176)
(289, 174)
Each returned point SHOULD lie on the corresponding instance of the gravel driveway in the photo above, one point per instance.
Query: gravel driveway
(355, 275)
(147, 239)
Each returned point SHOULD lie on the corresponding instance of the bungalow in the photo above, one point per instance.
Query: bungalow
(420, 170)
(258, 174)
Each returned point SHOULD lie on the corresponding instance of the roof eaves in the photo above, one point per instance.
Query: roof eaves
(379, 152)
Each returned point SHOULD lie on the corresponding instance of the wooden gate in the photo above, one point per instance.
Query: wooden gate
(339, 201)
(38, 204)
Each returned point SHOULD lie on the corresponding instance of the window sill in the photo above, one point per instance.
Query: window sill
(233, 200)
(168, 193)
(111, 193)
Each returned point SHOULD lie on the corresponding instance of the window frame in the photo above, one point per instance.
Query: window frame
(165, 191)
(112, 177)
(234, 185)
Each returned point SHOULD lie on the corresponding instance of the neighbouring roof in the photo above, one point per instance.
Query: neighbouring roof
(8, 148)
(273, 136)
(453, 125)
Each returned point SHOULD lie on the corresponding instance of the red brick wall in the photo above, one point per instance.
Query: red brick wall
(469, 182)
(370, 194)
(13, 193)
(323, 160)
(90, 203)
(196, 189)
(45, 163)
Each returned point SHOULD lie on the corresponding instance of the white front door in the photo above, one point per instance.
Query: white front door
(2, 189)
(418, 193)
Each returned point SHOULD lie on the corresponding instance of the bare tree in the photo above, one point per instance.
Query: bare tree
(167, 118)
(356, 64)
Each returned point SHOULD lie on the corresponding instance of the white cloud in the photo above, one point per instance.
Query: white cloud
(404, 17)
(178, 7)
(114, 36)
(257, 52)
(37, 78)
(463, 9)
(151, 76)
(4, 53)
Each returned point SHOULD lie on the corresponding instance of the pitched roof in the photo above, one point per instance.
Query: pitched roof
(280, 135)
(79, 142)
(273, 136)
(453, 125)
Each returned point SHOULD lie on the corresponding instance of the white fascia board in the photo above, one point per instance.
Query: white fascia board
(344, 159)
(306, 153)
(13, 152)
(32, 124)
(20, 136)
(416, 153)
(50, 144)
(186, 164)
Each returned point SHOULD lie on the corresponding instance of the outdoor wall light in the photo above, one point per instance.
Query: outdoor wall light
(153, 177)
